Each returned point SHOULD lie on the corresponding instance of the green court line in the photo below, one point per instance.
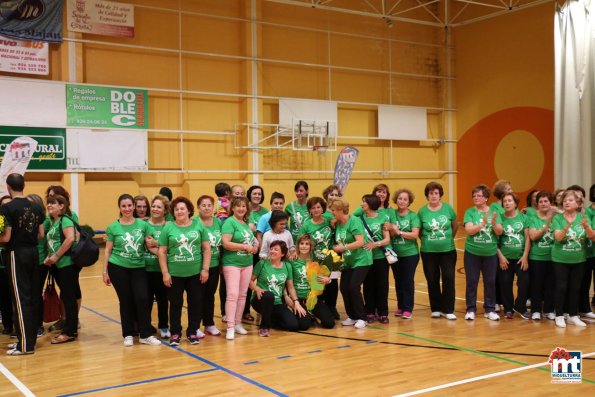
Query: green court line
(468, 350)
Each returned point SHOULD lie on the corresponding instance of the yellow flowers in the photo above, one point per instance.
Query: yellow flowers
(2, 224)
(334, 255)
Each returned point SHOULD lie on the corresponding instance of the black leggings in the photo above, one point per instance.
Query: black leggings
(543, 285)
(321, 311)
(568, 285)
(404, 274)
(505, 283)
(376, 288)
(584, 304)
(273, 315)
(194, 291)
(158, 292)
(68, 280)
(5, 300)
(351, 283)
(208, 302)
(440, 265)
(131, 288)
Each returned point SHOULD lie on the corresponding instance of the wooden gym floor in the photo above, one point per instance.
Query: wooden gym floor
(417, 356)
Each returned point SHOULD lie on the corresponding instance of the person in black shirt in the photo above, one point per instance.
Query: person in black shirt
(24, 226)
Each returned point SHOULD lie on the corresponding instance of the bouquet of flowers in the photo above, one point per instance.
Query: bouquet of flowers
(333, 261)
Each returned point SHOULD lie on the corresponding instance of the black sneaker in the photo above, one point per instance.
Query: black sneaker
(174, 340)
(6, 331)
(40, 332)
(193, 339)
(335, 313)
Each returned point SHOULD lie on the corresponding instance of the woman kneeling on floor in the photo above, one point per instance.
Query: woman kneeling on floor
(269, 278)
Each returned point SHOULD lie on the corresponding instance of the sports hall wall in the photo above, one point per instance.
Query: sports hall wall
(202, 69)
(505, 102)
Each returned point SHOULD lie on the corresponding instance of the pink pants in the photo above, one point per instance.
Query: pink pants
(237, 280)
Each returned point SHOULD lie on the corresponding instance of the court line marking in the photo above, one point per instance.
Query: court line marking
(204, 360)
(141, 382)
(15, 381)
(478, 378)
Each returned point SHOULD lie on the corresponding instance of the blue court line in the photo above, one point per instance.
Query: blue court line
(315, 351)
(251, 362)
(282, 357)
(139, 382)
(343, 347)
(204, 360)
(371, 341)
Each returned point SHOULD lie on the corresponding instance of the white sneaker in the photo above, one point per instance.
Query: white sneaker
(436, 314)
(450, 316)
(240, 329)
(165, 333)
(348, 322)
(212, 330)
(128, 341)
(492, 316)
(224, 318)
(536, 316)
(497, 307)
(230, 334)
(151, 340)
(566, 316)
(200, 334)
(560, 322)
(550, 316)
(588, 315)
(576, 320)
(360, 324)
(470, 316)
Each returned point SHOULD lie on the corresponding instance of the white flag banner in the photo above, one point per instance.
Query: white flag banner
(17, 155)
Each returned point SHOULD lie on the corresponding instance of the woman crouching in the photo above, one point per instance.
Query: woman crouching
(269, 278)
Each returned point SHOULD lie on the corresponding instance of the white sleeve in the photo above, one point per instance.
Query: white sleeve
(289, 239)
(266, 243)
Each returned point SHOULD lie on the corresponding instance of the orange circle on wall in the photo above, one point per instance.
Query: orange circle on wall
(514, 152)
(478, 146)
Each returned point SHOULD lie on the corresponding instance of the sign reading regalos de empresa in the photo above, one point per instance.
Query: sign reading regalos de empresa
(50, 152)
(106, 107)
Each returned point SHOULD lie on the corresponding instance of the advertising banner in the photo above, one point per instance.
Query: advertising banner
(106, 107)
(50, 152)
(19, 56)
(32, 19)
(106, 18)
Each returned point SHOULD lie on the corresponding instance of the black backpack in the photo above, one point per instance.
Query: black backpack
(86, 251)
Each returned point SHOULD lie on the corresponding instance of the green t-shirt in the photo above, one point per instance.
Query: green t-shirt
(255, 217)
(298, 214)
(184, 247)
(272, 279)
(300, 278)
(512, 241)
(541, 249)
(375, 226)
(436, 228)
(240, 234)
(345, 234)
(402, 246)
(54, 242)
(485, 242)
(572, 249)
(129, 243)
(214, 232)
(497, 207)
(530, 211)
(321, 234)
(152, 261)
(42, 243)
(590, 213)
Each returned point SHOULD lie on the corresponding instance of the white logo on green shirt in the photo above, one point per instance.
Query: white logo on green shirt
(437, 227)
(184, 243)
(132, 242)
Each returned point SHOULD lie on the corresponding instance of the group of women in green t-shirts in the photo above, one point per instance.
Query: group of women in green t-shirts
(548, 247)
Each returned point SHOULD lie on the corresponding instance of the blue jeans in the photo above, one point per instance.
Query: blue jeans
(486, 265)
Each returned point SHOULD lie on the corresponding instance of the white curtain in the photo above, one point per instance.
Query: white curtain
(574, 33)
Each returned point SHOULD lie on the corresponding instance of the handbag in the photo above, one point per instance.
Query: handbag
(86, 251)
(391, 256)
(51, 302)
